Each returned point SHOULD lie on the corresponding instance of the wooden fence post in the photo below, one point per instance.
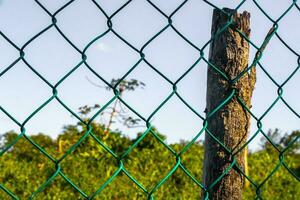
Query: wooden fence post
(230, 125)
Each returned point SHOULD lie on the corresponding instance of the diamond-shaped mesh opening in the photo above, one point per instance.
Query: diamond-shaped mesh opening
(98, 94)
(111, 53)
(150, 169)
(116, 126)
(133, 23)
(275, 115)
(93, 156)
(190, 123)
(161, 54)
(180, 186)
(153, 90)
(47, 123)
(197, 31)
(84, 16)
(51, 63)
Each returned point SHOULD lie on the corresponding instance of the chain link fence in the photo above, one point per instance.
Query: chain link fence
(84, 63)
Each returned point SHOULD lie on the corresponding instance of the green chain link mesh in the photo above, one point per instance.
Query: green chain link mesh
(177, 155)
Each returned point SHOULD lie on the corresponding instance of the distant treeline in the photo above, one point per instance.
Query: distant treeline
(24, 168)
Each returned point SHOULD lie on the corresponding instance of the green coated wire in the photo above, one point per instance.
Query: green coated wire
(119, 158)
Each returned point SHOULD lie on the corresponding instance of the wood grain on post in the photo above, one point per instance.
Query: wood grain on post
(230, 53)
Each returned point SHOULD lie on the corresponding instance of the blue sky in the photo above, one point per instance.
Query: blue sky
(22, 91)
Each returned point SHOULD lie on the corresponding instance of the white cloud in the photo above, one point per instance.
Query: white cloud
(103, 47)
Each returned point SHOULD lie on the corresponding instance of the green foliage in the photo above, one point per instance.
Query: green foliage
(24, 168)
(289, 141)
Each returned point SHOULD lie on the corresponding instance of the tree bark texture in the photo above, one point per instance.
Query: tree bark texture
(229, 52)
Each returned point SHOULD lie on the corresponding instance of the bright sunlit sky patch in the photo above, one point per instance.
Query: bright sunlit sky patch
(22, 91)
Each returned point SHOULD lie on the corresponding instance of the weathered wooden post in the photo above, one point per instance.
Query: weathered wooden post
(230, 53)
